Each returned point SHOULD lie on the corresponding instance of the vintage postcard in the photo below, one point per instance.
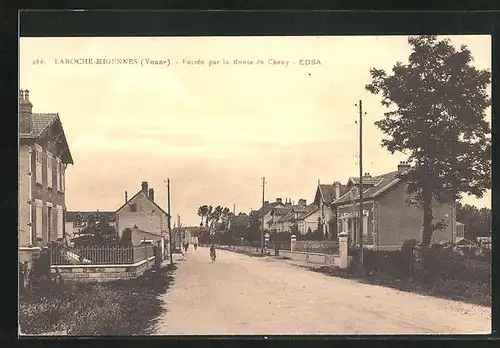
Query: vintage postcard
(328, 185)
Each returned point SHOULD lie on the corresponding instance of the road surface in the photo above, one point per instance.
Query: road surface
(242, 295)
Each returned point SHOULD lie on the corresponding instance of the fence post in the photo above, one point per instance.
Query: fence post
(344, 262)
(293, 242)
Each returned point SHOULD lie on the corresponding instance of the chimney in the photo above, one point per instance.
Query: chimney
(25, 112)
(278, 200)
(151, 194)
(302, 201)
(266, 202)
(144, 186)
(403, 167)
(367, 175)
(336, 189)
(126, 198)
(288, 203)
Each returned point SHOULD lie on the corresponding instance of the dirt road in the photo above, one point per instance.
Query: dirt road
(239, 294)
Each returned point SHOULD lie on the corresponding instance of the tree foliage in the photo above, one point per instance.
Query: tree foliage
(477, 221)
(437, 106)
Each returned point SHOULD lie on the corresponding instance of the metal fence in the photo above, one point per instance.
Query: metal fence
(100, 255)
(279, 245)
(325, 247)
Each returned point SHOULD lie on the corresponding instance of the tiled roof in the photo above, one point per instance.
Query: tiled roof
(39, 123)
(366, 180)
(311, 208)
(299, 208)
(290, 216)
(328, 191)
(281, 211)
(384, 181)
(72, 215)
(267, 207)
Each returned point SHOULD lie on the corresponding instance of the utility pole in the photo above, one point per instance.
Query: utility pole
(361, 185)
(234, 221)
(169, 226)
(262, 230)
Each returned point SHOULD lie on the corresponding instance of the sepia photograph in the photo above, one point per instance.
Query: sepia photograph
(254, 185)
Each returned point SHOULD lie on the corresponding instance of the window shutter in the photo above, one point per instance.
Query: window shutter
(58, 174)
(49, 169)
(63, 180)
(38, 220)
(59, 222)
(38, 173)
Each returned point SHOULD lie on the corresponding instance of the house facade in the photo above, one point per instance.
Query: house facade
(325, 195)
(389, 217)
(142, 213)
(44, 155)
(265, 213)
(308, 221)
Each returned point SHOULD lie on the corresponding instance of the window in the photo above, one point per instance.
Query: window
(38, 171)
(365, 223)
(38, 218)
(133, 207)
(63, 183)
(59, 222)
(58, 174)
(49, 222)
(49, 169)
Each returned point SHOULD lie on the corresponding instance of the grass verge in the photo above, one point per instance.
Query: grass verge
(123, 307)
(475, 292)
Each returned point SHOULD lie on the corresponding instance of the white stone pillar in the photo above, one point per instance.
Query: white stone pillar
(293, 241)
(343, 250)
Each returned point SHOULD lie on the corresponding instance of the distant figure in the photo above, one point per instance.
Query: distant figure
(212, 252)
(195, 246)
(186, 246)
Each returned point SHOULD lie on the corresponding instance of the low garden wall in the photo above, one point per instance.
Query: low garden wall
(102, 273)
(315, 258)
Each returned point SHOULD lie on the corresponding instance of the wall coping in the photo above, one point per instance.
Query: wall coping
(296, 252)
(30, 248)
(105, 266)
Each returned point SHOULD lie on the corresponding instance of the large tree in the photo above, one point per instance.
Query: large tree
(437, 106)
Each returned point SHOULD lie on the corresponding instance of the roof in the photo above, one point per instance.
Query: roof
(72, 215)
(328, 192)
(288, 217)
(366, 180)
(40, 123)
(383, 182)
(311, 209)
(267, 207)
(154, 203)
(281, 211)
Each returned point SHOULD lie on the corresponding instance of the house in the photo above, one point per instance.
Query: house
(142, 214)
(325, 195)
(44, 155)
(77, 221)
(286, 220)
(264, 213)
(308, 221)
(389, 216)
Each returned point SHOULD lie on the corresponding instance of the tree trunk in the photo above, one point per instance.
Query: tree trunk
(427, 223)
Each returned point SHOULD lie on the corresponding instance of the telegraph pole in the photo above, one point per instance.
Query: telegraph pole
(169, 226)
(361, 185)
(234, 221)
(262, 230)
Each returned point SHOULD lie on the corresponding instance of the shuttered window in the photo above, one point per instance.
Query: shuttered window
(50, 165)
(38, 218)
(38, 171)
(59, 221)
(63, 179)
(58, 174)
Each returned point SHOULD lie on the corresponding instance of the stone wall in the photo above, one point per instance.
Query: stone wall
(102, 273)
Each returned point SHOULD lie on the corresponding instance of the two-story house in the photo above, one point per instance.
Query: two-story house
(325, 195)
(144, 216)
(389, 213)
(44, 155)
(264, 213)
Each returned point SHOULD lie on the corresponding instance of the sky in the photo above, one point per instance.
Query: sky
(216, 129)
